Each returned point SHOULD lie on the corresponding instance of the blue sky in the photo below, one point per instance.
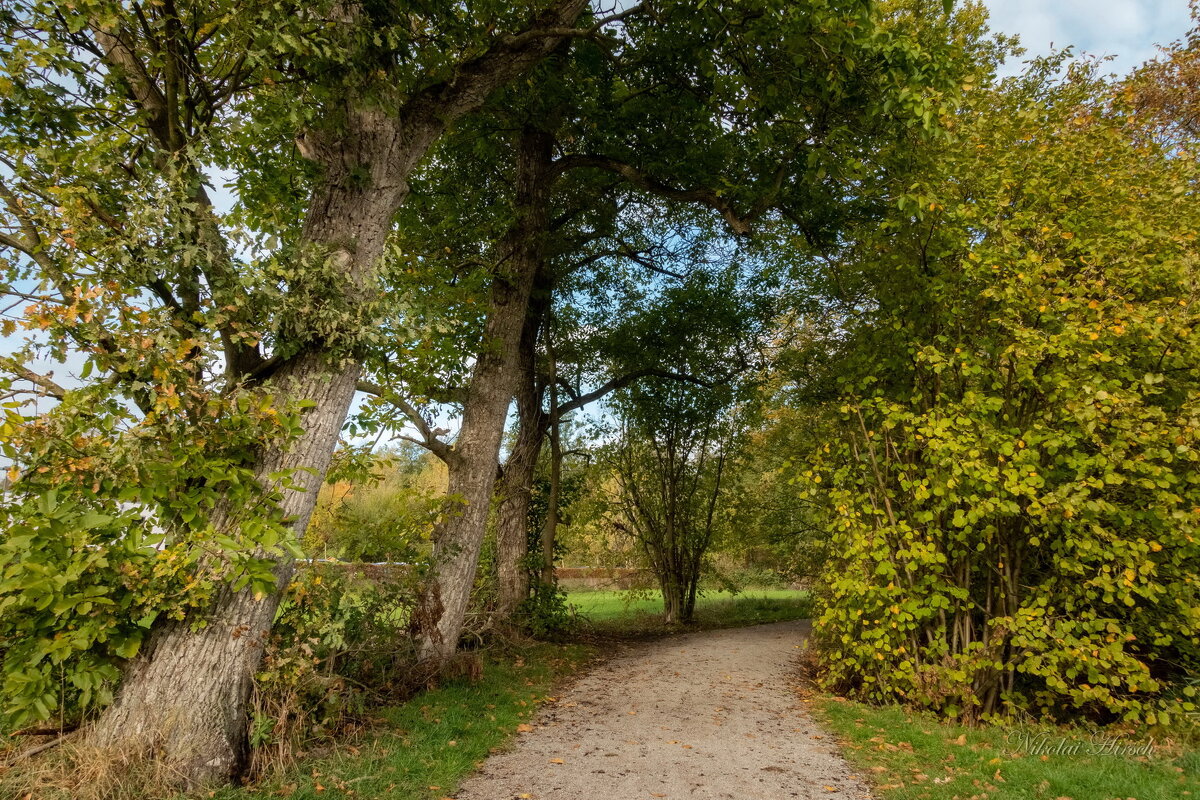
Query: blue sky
(1126, 29)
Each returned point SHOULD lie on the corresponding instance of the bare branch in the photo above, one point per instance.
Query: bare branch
(43, 382)
(428, 438)
(619, 383)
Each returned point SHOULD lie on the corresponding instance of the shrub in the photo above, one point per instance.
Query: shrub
(339, 648)
(1013, 479)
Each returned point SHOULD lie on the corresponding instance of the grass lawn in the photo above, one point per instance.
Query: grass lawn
(914, 756)
(641, 611)
(422, 750)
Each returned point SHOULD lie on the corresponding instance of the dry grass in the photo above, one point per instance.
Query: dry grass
(78, 771)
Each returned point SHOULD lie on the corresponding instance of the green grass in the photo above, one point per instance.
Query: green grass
(641, 611)
(424, 748)
(914, 756)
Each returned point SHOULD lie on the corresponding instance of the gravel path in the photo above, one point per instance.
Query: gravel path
(702, 716)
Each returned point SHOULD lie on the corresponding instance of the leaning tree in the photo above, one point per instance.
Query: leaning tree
(226, 337)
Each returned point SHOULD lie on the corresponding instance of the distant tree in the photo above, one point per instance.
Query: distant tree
(676, 436)
(385, 514)
(670, 473)
(1165, 91)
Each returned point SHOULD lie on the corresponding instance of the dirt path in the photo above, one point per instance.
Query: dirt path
(703, 716)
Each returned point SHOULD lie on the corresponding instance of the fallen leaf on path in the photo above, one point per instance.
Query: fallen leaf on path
(557, 761)
(524, 728)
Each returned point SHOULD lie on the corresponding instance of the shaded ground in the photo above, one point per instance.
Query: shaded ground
(702, 716)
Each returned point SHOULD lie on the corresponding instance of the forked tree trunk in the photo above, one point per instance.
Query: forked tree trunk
(458, 539)
(516, 484)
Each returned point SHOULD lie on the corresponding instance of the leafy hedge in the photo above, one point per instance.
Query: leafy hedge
(1013, 471)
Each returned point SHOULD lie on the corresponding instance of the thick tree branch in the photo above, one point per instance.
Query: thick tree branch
(739, 224)
(621, 382)
(591, 32)
(504, 60)
(43, 382)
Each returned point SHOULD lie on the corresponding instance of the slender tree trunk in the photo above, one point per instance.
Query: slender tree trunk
(516, 485)
(442, 607)
(550, 528)
(672, 592)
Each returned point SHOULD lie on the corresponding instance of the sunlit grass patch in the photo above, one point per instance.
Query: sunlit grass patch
(636, 610)
(422, 749)
(915, 756)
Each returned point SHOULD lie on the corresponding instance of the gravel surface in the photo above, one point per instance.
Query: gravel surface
(700, 716)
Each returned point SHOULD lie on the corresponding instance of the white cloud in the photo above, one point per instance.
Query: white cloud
(1126, 29)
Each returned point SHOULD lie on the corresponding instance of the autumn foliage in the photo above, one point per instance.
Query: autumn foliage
(1012, 484)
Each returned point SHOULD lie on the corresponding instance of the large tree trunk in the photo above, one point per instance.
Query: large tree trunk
(473, 463)
(516, 484)
(512, 531)
(184, 697)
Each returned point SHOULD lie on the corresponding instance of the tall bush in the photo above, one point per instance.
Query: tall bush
(1013, 485)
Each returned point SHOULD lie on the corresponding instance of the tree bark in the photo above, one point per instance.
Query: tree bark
(185, 695)
(550, 529)
(183, 698)
(472, 465)
(516, 484)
